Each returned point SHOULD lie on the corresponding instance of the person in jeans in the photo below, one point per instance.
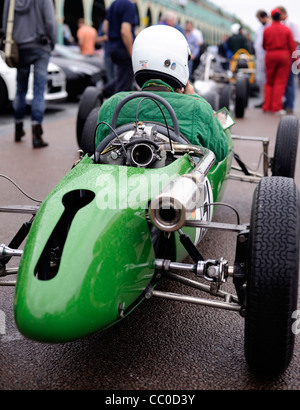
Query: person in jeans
(120, 24)
(35, 31)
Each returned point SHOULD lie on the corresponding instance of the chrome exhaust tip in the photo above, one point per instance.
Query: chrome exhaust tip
(176, 203)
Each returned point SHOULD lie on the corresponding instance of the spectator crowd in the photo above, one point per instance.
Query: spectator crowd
(273, 48)
(276, 41)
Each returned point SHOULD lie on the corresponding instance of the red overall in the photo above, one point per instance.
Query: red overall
(279, 45)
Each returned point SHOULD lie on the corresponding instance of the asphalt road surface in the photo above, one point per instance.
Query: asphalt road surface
(162, 345)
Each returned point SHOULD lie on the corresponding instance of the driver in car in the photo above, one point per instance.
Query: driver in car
(160, 64)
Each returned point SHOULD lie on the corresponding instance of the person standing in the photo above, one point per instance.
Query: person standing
(102, 39)
(169, 18)
(199, 36)
(35, 31)
(87, 37)
(67, 35)
(193, 44)
(237, 40)
(122, 19)
(291, 88)
(260, 54)
(279, 44)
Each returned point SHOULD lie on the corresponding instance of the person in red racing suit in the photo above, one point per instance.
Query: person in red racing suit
(279, 45)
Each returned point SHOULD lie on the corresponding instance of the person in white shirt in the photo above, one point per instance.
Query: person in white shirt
(193, 44)
(291, 88)
(198, 34)
(260, 53)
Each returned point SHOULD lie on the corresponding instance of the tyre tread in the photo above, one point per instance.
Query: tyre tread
(273, 280)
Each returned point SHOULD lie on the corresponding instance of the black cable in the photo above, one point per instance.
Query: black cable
(114, 131)
(164, 117)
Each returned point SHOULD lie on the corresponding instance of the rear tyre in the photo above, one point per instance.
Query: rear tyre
(272, 282)
(225, 96)
(88, 132)
(285, 153)
(241, 96)
(91, 98)
(212, 99)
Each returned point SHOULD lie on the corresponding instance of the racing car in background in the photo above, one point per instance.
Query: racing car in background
(80, 71)
(225, 83)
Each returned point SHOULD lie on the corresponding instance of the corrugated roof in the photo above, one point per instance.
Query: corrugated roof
(210, 14)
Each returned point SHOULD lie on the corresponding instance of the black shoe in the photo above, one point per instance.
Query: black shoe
(259, 105)
(39, 143)
(19, 132)
(37, 140)
(289, 111)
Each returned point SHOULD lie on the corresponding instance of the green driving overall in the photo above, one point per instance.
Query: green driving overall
(196, 118)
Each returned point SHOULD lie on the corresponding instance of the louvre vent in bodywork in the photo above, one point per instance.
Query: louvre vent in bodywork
(48, 264)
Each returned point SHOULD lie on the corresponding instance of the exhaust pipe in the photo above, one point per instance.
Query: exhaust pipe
(182, 196)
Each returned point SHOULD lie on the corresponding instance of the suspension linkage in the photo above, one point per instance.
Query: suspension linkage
(7, 251)
(212, 270)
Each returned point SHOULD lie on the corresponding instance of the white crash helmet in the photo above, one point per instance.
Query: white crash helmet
(235, 28)
(161, 52)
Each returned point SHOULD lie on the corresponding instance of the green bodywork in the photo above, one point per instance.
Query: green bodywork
(108, 256)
